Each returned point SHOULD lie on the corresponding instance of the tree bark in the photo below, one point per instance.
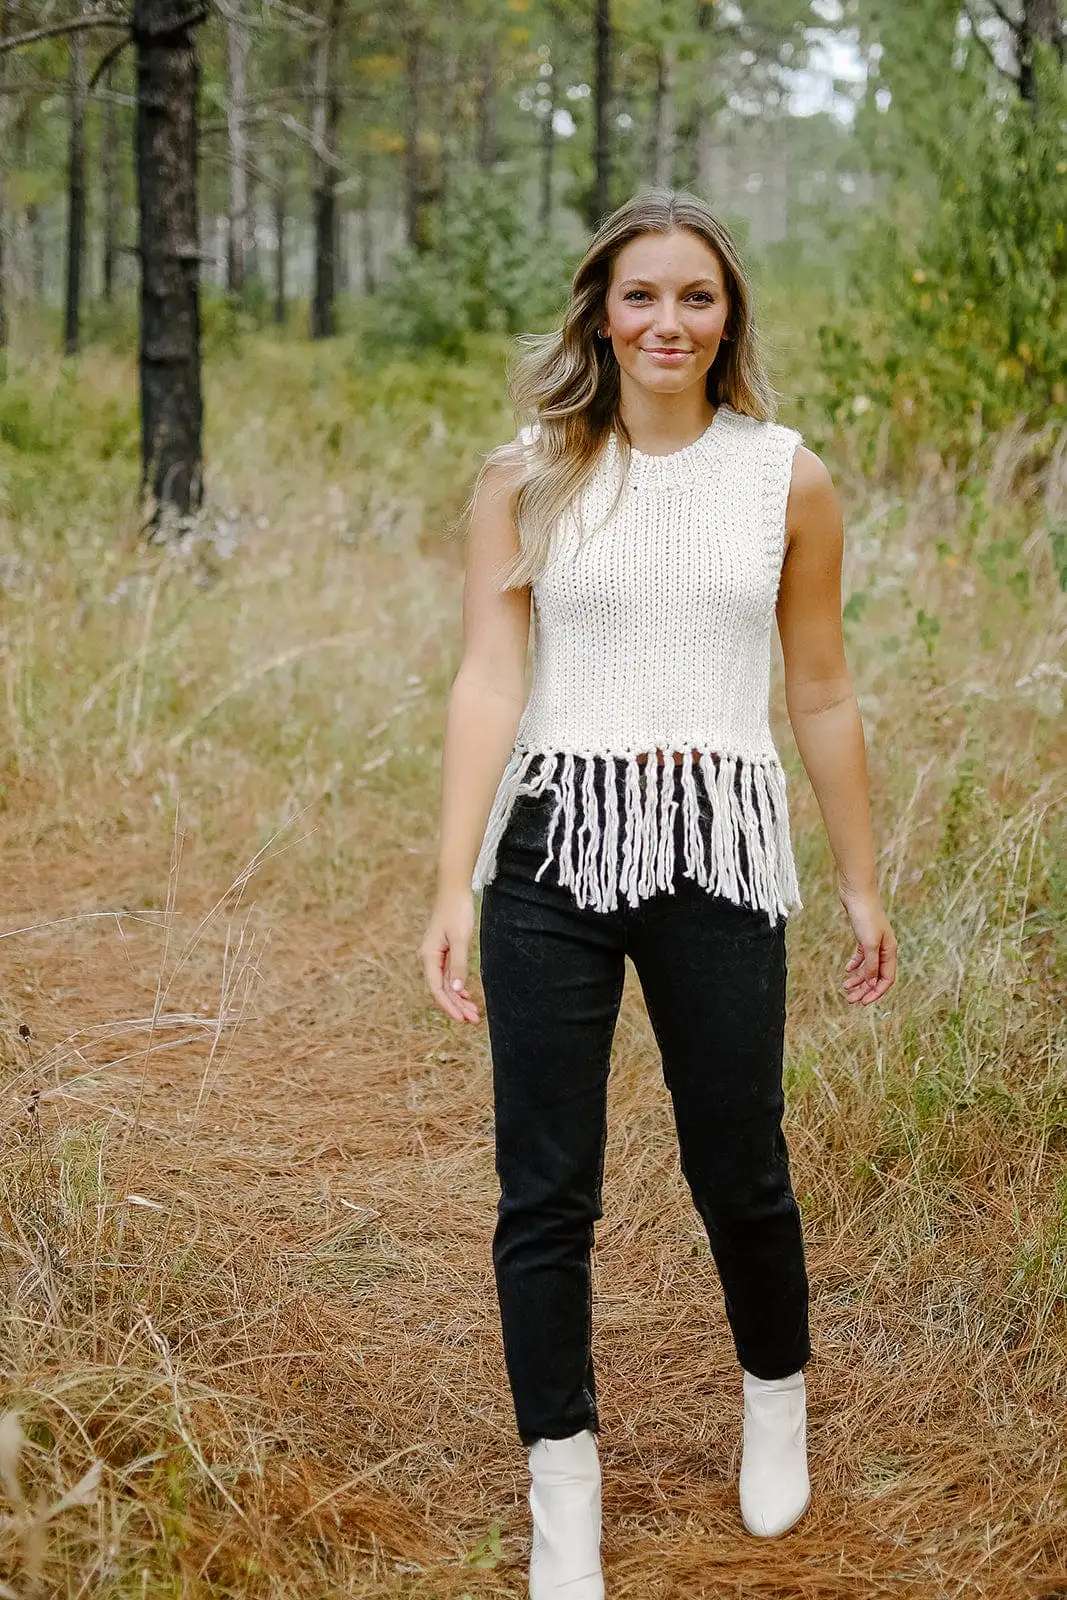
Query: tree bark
(168, 82)
(325, 119)
(237, 129)
(446, 165)
(368, 274)
(79, 91)
(280, 197)
(666, 114)
(418, 237)
(112, 196)
(602, 93)
(548, 150)
(1040, 23)
(6, 118)
(486, 153)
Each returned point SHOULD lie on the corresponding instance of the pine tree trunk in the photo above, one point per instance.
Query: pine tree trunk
(414, 211)
(112, 197)
(666, 114)
(1040, 22)
(708, 163)
(602, 97)
(79, 86)
(168, 81)
(6, 118)
(368, 274)
(236, 65)
(487, 137)
(548, 152)
(325, 119)
(280, 197)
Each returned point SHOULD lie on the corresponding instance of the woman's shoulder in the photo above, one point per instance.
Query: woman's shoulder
(762, 430)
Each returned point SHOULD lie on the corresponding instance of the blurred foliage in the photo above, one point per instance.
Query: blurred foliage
(489, 272)
(958, 326)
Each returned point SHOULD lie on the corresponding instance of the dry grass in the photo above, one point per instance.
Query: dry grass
(251, 1343)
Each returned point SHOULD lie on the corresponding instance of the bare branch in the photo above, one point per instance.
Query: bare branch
(107, 60)
(322, 150)
(55, 29)
(44, 87)
(1013, 23)
(1013, 77)
(294, 14)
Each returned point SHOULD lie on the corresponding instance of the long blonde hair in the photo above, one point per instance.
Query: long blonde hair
(566, 383)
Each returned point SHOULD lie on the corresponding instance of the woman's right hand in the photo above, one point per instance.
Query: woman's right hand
(444, 951)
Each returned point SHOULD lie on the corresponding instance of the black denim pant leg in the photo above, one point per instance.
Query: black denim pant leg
(552, 975)
(713, 975)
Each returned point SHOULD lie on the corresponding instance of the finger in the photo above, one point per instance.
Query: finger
(456, 986)
(856, 979)
(435, 977)
(872, 962)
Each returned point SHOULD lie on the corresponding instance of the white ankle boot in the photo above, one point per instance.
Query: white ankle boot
(565, 1504)
(775, 1489)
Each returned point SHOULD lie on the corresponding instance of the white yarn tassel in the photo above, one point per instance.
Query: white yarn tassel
(500, 810)
(737, 823)
(610, 862)
(747, 801)
(589, 859)
(667, 808)
(785, 874)
(647, 882)
(631, 856)
(694, 847)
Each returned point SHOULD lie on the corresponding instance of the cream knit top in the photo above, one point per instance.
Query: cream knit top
(653, 631)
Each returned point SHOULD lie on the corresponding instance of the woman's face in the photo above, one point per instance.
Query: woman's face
(667, 291)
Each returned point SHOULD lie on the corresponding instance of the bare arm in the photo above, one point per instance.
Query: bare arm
(824, 715)
(484, 707)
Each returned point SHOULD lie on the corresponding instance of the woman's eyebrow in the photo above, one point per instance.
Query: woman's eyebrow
(644, 281)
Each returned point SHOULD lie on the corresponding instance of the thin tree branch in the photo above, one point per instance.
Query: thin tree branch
(1012, 22)
(54, 29)
(1013, 77)
(107, 60)
(323, 152)
(29, 86)
(295, 14)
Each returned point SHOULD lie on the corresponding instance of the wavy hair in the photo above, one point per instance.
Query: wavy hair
(565, 389)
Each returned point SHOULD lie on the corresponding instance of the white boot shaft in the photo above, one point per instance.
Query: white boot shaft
(565, 1505)
(775, 1489)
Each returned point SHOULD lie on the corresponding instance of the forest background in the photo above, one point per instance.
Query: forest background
(249, 1343)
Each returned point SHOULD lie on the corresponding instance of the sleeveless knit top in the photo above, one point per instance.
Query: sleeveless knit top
(653, 632)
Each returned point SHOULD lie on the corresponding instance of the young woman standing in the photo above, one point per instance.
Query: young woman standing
(634, 805)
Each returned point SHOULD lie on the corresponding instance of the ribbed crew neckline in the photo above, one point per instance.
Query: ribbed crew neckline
(677, 468)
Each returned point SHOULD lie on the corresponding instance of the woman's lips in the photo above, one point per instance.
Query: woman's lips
(667, 357)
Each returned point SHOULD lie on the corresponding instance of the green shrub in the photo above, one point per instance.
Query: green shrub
(487, 273)
(964, 328)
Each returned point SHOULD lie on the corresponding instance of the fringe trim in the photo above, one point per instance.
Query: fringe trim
(588, 855)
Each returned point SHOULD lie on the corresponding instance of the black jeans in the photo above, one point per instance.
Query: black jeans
(713, 975)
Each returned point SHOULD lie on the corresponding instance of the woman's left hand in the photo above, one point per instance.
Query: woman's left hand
(872, 968)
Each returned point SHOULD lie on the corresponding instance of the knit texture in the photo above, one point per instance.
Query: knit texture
(653, 632)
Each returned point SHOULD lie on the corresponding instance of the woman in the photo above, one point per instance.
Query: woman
(635, 805)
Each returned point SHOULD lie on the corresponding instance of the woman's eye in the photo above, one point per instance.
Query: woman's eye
(698, 294)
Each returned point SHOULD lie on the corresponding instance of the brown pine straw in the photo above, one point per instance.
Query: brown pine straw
(286, 1365)
(250, 1343)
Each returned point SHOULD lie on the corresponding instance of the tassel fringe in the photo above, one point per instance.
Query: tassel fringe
(747, 805)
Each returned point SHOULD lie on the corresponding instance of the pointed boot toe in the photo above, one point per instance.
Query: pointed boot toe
(775, 1489)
